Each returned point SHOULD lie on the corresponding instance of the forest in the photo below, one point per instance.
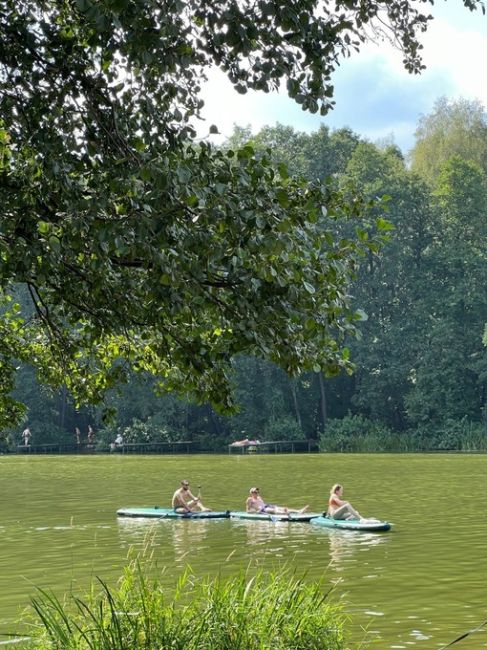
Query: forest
(419, 377)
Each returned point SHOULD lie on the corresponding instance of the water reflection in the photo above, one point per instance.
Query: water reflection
(271, 543)
(261, 532)
(188, 538)
(345, 544)
(137, 532)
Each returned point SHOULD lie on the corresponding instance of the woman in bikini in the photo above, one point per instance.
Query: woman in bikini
(339, 509)
(255, 503)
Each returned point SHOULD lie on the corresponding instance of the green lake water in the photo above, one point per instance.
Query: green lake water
(418, 586)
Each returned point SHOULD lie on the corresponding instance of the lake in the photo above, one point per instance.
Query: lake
(418, 586)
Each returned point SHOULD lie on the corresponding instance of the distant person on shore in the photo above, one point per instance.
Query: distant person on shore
(118, 442)
(26, 436)
(338, 508)
(91, 435)
(244, 443)
(77, 433)
(256, 504)
(183, 501)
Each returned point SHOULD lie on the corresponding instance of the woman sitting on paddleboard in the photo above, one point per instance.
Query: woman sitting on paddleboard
(339, 509)
(255, 503)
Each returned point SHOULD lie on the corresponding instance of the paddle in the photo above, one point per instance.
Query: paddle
(198, 496)
(464, 636)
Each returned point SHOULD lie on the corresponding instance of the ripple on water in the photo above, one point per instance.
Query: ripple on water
(426, 576)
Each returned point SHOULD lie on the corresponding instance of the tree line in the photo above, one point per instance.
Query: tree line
(420, 367)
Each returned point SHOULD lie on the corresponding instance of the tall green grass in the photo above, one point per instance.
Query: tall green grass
(274, 610)
(355, 433)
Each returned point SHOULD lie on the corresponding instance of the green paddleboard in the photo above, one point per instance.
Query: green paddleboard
(370, 525)
(265, 516)
(168, 513)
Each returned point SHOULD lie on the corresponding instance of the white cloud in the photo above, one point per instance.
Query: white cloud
(461, 53)
(375, 96)
(225, 107)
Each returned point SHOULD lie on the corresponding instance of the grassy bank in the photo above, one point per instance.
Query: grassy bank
(271, 610)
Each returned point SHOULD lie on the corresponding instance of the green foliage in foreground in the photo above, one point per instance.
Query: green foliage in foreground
(143, 249)
(272, 610)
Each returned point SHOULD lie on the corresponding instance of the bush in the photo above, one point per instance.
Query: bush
(272, 610)
(284, 428)
(210, 442)
(356, 433)
(455, 435)
(5, 442)
(147, 431)
(44, 433)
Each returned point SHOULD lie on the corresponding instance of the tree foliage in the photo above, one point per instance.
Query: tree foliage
(453, 128)
(448, 376)
(312, 156)
(142, 249)
(421, 370)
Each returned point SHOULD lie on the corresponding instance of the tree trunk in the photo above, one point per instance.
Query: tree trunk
(62, 406)
(215, 421)
(297, 412)
(321, 382)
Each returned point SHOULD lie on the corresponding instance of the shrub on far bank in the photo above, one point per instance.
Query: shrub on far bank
(452, 435)
(283, 428)
(146, 431)
(271, 610)
(355, 433)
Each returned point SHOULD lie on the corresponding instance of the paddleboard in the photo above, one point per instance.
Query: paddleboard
(369, 525)
(168, 513)
(265, 516)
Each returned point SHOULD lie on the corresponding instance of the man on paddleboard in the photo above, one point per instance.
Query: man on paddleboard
(183, 501)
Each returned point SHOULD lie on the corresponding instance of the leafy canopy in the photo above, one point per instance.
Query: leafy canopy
(141, 247)
(454, 128)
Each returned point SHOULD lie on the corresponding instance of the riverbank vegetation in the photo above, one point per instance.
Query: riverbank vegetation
(258, 273)
(268, 610)
(420, 380)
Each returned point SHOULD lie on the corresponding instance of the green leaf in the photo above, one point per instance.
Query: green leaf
(383, 224)
(309, 287)
(283, 198)
(43, 227)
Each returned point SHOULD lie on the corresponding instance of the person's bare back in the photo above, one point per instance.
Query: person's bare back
(184, 501)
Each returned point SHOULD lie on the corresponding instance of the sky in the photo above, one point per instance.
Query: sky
(374, 95)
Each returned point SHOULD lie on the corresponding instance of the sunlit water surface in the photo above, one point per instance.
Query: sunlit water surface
(418, 586)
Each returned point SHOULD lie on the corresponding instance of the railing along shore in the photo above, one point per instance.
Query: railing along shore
(275, 447)
(181, 447)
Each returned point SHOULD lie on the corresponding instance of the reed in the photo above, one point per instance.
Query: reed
(275, 610)
(358, 434)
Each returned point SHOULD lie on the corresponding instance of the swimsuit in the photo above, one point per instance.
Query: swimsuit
(258, 504)
(333, 505)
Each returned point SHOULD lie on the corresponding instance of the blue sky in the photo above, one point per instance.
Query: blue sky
(374, 95)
